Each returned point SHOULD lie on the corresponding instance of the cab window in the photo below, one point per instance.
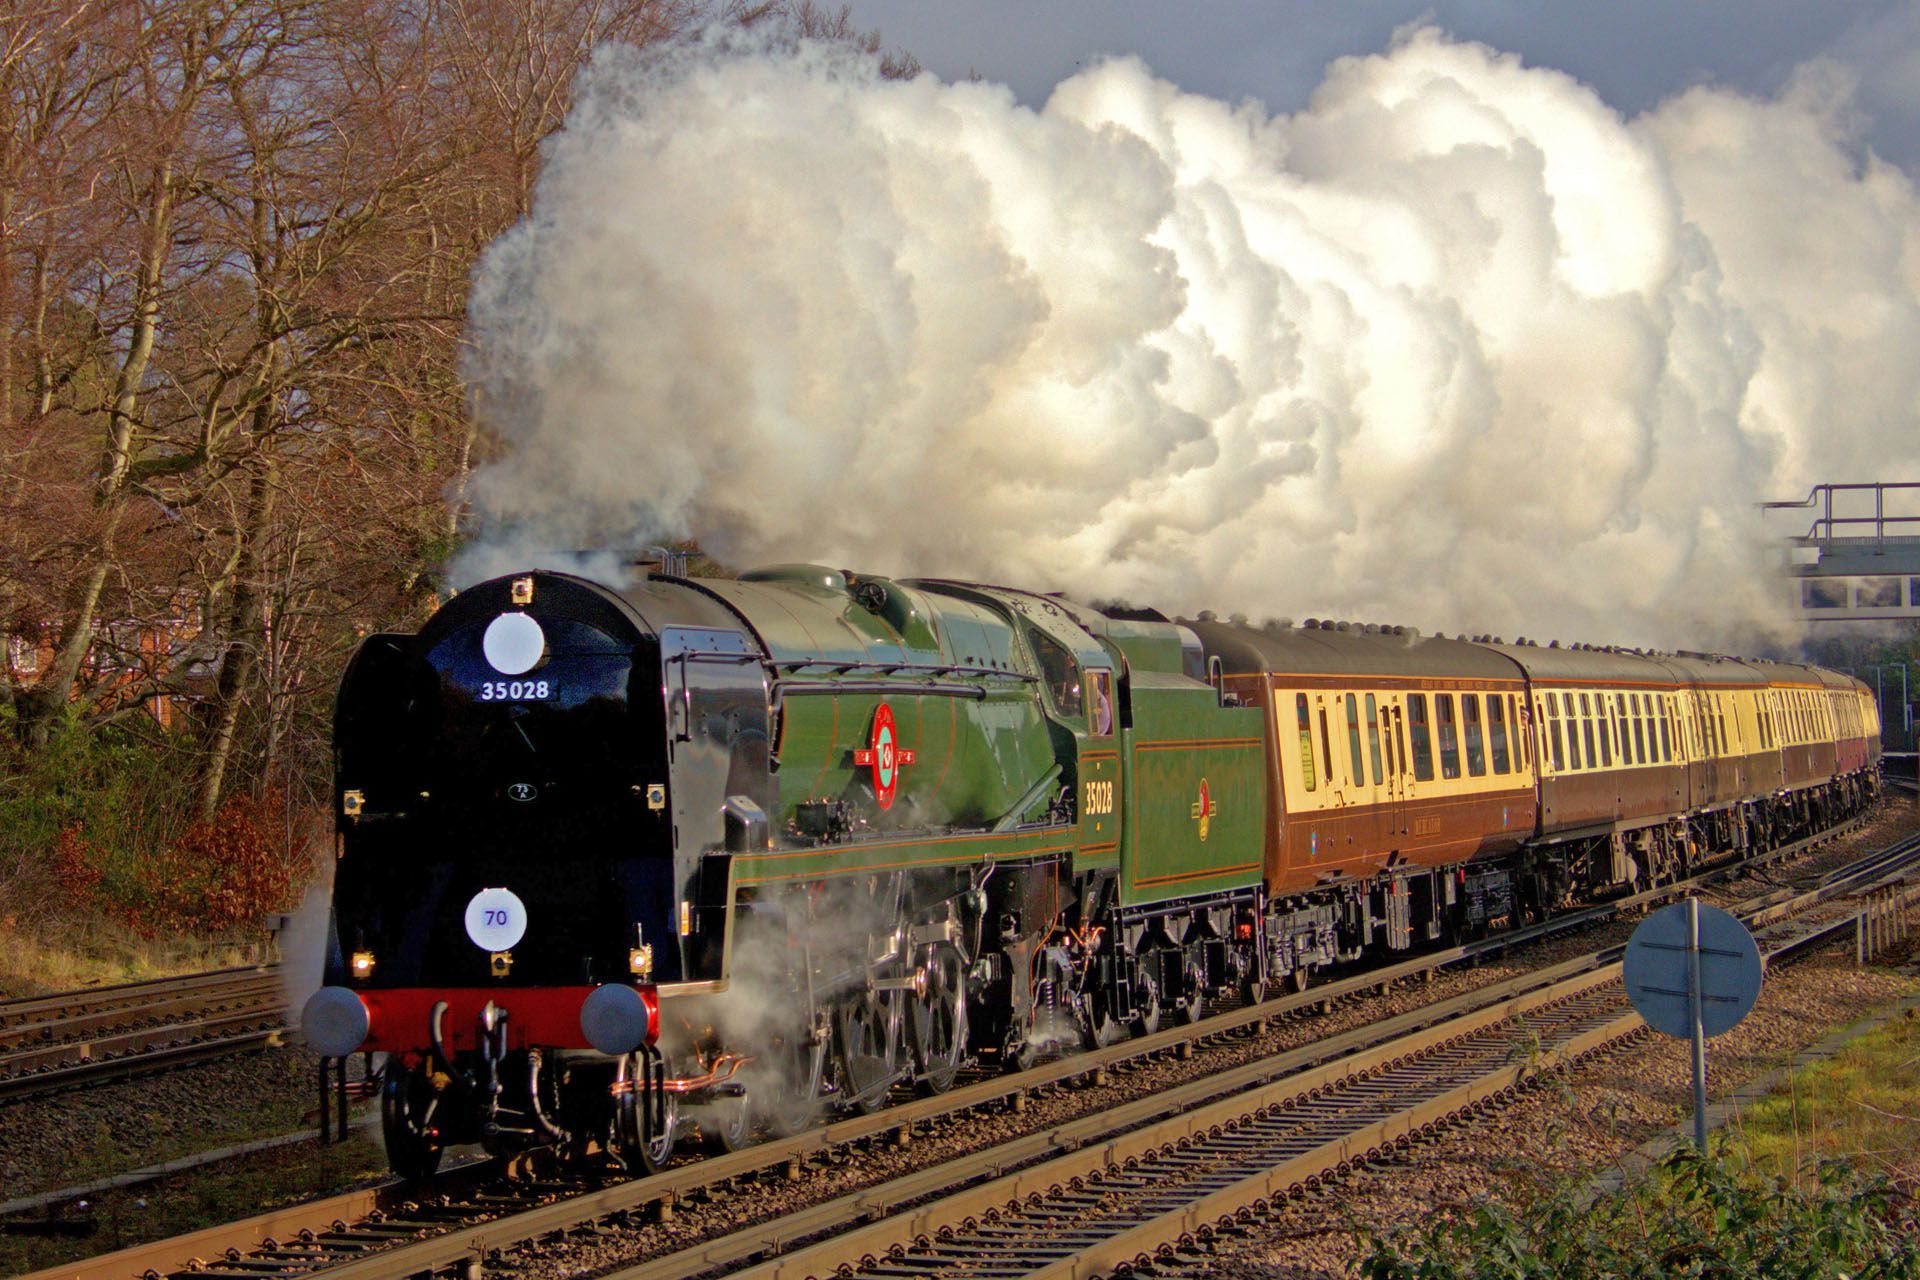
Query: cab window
(1102, 683)
(1059, 672)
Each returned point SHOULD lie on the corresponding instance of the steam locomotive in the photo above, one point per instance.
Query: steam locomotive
(620, 866)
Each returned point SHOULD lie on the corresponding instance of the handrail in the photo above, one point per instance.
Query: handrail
(1821, 496)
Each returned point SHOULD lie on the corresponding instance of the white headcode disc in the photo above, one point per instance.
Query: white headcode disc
(513, 643)
(496, 919)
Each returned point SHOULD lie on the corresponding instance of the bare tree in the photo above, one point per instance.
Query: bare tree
(236, 238)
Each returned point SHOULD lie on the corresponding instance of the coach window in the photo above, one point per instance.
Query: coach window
(1497, 733)
(1353, 742)
(1057, 669)
(1586, 734)
(1305, 719)
(1720, 710)
(1373, 738)
(1517, 717)
(1326, 746)
(1640, 728)
(1422, 741)
(1476, 741)
(1443, 726)
(1399, 745)
(1563, 733)
(1664, 714)
(1102, 701)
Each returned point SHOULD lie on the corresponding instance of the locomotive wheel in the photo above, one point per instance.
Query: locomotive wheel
(727, 1125)
(635, 1142)
(1188, 1002)
(866, 1027)
(408, 1101)
(1146, 998)
(937, 1022)
(786, 1093)
(1107, 1030)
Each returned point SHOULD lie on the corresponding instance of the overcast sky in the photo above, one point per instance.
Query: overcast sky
(1633, 52)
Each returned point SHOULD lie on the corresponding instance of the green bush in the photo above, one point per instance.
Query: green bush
(97, 826)
(1693, 1216)
(81, 816)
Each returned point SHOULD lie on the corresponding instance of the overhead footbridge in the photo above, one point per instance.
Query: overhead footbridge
(1859, 559)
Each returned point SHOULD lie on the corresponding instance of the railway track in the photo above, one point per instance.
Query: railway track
(1434, 1060)
(49, 1043)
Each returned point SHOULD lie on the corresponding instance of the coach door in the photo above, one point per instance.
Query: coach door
(1380, 718)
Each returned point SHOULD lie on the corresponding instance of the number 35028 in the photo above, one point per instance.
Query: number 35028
(514, 690)
(1100, 796)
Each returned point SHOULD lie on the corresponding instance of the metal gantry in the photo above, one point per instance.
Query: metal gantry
(1859, 560)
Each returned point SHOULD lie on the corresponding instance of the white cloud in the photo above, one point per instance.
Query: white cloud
(1455, 345)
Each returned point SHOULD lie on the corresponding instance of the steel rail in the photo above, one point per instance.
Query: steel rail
(328, 1241)
(62, 1004)
(1114, 1199)
(30, 1044)
(156, 1058)
(1083, 1147)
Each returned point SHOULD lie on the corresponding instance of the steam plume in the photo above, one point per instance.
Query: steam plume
(1456, 345)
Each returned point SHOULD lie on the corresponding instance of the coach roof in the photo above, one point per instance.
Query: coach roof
(1324, 651)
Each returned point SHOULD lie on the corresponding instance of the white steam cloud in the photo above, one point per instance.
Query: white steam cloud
(1457, 345)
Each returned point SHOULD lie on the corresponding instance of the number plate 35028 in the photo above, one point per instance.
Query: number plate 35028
(517, 690)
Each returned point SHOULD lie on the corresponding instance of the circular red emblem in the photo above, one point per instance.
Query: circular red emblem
(885, 756)
(1203, 809)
